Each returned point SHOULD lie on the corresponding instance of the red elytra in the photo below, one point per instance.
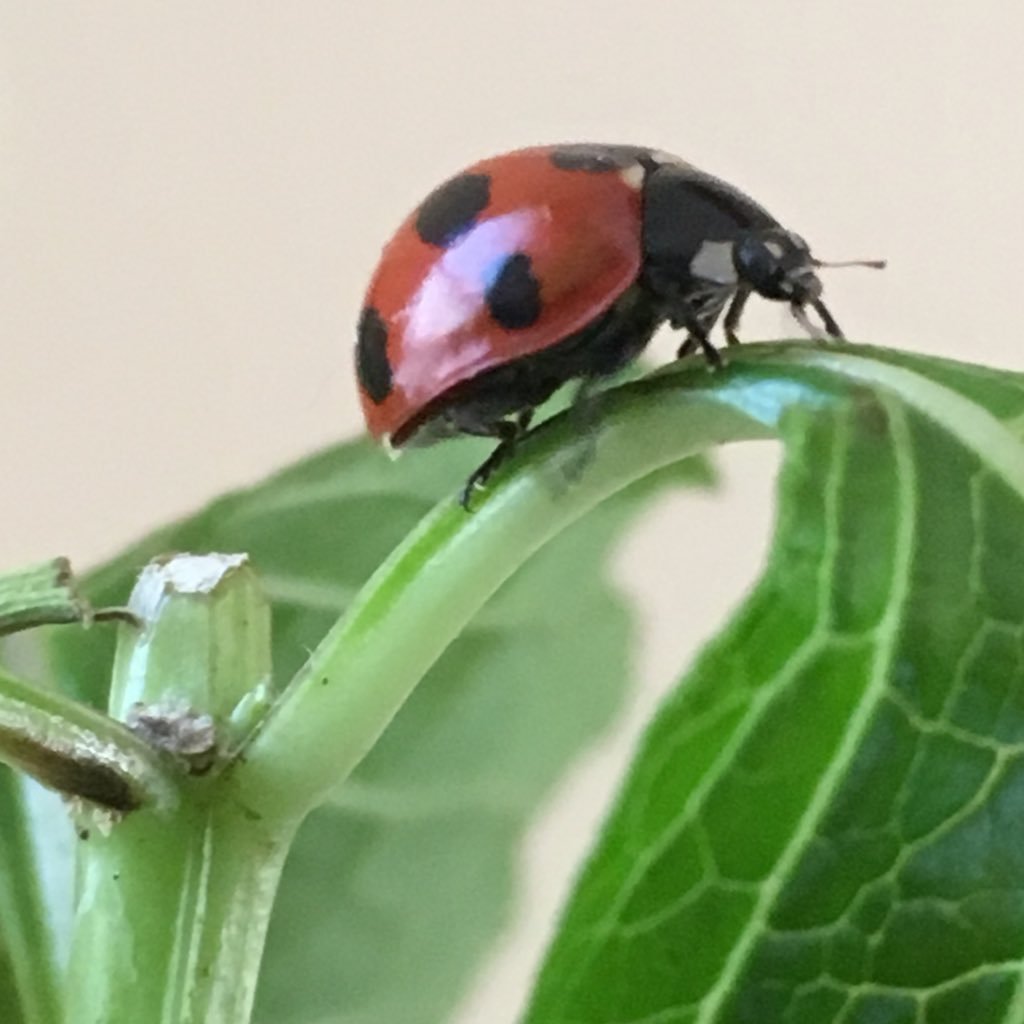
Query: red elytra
(581, 233)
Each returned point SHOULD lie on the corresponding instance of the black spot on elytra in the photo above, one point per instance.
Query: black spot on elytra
(372, 366)
(513, 300)
(596, 159)
(452, 209)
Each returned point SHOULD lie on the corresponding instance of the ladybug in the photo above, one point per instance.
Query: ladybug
(555, 263)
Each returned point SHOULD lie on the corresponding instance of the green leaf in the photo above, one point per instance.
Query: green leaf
(825, 823)
(422, 841)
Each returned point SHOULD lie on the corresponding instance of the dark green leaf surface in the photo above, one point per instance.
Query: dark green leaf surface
(393, 893)
(10, 1004)
(826, 822)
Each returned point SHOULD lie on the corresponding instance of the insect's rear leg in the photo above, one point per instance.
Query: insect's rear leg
(508, 433)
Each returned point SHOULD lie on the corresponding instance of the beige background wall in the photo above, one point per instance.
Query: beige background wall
(192, 195)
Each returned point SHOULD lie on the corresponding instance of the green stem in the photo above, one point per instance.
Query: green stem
(24, 934)
(172, 913)
(174, 901)
(423, 596)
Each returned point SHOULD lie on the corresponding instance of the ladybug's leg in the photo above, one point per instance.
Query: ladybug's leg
(698, 315)
(523, 421)
(697, 335)
(731, 322)
(585, 411)
(695, 340)
(832, 329)
(508, 433)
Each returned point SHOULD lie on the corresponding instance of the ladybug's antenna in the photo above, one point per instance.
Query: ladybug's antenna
(870, 264)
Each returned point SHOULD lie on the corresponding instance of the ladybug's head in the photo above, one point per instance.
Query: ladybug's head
(777, 264)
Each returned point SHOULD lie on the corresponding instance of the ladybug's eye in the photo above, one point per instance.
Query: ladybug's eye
(758, 263)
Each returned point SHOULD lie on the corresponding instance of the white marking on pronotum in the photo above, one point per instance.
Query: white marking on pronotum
(714, 263)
